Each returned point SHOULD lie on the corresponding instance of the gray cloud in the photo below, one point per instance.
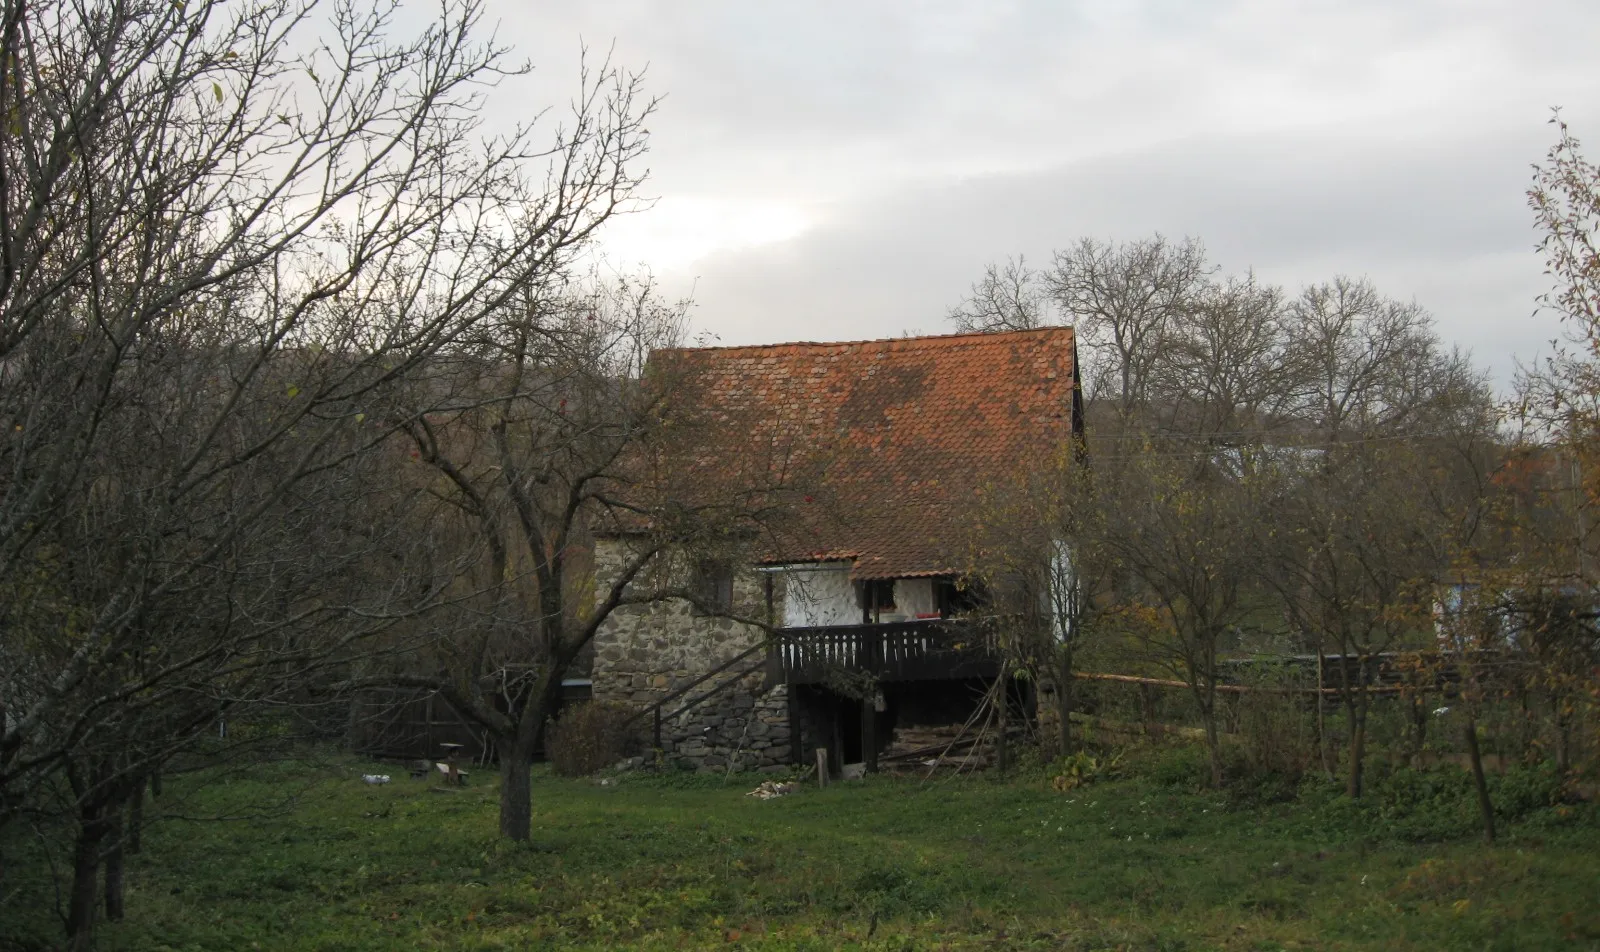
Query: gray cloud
(918, 141)
(1446, 224)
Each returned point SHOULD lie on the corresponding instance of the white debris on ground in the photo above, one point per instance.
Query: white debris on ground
(375, 778)
(771, 789)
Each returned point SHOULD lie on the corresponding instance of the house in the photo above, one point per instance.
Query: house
(885, 447)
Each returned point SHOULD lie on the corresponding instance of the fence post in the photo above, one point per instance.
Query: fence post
(872, 649)
(656, 733)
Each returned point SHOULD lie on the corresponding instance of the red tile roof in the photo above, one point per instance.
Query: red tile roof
(902, 433)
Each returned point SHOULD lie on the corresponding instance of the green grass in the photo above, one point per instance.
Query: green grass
(691, 862)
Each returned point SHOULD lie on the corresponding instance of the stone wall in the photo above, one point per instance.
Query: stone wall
(645, 652)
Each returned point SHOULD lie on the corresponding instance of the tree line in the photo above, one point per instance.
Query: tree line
(1316, 465)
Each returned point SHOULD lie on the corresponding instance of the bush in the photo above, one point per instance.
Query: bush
(1180, 767)
(1082, 768)
(589, 737)
(1438, 803)
(1276, 730)
(1526, 788)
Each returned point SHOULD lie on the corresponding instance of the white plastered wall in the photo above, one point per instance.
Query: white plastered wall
(817, 595)
(913, 597)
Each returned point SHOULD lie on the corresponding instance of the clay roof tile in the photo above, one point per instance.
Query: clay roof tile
(911, 427)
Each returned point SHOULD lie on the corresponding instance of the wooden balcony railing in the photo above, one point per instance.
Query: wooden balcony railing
(900, 651)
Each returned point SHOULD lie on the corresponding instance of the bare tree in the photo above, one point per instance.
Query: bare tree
(1179, 526)
(550, 429)
(1038, 542)
(1397, 445)
(1225, 369)
(1009, 297)
(1369, 362)
(227, 233)
(1324, 452)
(1124, 300)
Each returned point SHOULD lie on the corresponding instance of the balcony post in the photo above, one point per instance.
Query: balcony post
(869, 734)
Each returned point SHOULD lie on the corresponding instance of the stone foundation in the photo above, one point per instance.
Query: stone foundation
(645, 652)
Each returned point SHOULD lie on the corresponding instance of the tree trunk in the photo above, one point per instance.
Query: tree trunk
(1065, 697)
(1213, 746)
(516, 793)
(1203, 686)
(1419, 730)
(1323, 750)
(113, 865)
(1478, 781)
(85, 898)
(136, 819)
(1563, 725)
(1356, 712)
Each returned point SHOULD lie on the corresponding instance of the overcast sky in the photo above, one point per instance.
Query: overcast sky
(843, 170)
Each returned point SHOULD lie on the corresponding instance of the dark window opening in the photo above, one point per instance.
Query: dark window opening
(711, 582)
(959, 597)
(877, 595)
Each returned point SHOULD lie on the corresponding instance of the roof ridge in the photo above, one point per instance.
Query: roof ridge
(920, 340)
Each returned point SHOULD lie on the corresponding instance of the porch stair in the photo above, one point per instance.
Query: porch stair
(749, 667)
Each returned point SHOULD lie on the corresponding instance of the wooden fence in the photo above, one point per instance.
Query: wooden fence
(410, 725)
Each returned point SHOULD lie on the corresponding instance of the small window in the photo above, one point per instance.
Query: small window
(712, 585)
(877, 595)
(959, 596)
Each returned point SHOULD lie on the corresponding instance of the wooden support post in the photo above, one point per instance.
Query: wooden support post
(869, 734)
(822, 766)
(656, 731)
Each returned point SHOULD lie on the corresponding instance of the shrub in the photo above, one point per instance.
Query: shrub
(1435, 804)
(1083, 767)
(1182, 767)
(1438, 803)
(589, 737)
(1276, 730)
(1526, 788)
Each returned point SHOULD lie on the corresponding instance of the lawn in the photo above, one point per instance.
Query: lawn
(313, 858)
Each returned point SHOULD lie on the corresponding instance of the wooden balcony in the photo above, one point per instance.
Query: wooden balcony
(900, 651)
